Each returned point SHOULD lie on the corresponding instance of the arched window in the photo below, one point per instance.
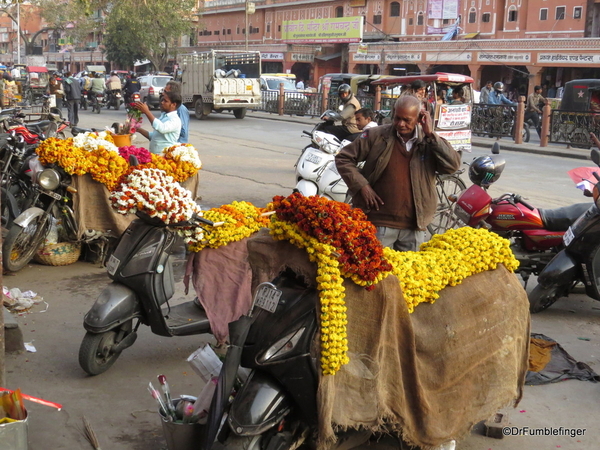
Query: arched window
(395, 9)
(512, 13)
(339, 11)
(472, 15)
(420, 18)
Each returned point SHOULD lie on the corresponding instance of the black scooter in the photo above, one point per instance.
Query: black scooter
(276, 406)
(578, 262)
(143, 282)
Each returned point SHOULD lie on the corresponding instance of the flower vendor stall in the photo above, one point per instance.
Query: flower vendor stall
(425, 344)
(97, 165)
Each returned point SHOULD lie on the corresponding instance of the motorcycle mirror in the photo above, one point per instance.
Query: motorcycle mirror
(496, 149)
(595, 155)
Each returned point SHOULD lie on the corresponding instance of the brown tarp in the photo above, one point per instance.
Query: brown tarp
(429, 376)
(92, 207)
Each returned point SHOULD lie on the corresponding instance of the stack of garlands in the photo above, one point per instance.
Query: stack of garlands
(96, 154)
(156, 194)
(311, 223)
(237, 221)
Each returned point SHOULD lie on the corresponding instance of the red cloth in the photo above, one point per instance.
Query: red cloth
(222, 280)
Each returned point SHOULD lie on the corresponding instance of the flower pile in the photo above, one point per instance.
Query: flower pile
(96, 154)
(237, 221)
(446, 260)
(341, 226)
(142, 154)
(156, 194)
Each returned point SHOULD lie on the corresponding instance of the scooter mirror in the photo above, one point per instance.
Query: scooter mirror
(496, 149)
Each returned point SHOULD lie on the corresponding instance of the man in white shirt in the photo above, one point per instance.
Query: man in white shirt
(300, 84)
(365, 119)
(167, 127)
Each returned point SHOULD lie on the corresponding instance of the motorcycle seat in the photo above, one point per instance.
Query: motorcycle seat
(76, 130)
(560, 219)
(42, 124)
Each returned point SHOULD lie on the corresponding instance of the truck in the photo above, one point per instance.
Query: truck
(221, 80)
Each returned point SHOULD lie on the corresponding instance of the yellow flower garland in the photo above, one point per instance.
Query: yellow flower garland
(446, 260)
(240, 220)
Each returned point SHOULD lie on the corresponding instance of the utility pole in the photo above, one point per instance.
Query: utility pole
(250, 9)
(18, 32)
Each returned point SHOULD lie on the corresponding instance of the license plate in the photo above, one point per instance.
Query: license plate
(267, 297)
(112, 265)
(315, 159)
(568, 237)
(54, 195)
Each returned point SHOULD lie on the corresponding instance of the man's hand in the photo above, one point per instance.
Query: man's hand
(426, 122)
(370, 197)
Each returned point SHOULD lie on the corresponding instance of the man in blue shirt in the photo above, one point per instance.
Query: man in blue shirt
(182, 112)
(167, 127)
(496, 97)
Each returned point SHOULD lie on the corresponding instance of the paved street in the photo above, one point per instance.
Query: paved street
(253, 159)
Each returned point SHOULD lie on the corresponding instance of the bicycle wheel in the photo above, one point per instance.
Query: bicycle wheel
(445, 219)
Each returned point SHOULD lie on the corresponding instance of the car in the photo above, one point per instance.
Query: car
(295, 101)
(151, 87)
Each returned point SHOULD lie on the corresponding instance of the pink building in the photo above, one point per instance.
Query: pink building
(522, 42)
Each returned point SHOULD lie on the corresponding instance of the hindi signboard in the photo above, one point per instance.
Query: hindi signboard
(333, 30)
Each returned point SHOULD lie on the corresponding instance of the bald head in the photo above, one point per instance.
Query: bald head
(406, 115)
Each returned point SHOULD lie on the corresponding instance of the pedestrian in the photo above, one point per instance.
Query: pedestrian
(533, 110)
(350, 106)
(497, 96)
(300, 84)
(73, 96)
(485, 92)
(365, 119)
(55, 88)
(182, 112)
(167, 127)
(396, 186)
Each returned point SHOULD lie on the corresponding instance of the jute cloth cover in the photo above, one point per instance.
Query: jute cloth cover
(93, 210)
(428, 376)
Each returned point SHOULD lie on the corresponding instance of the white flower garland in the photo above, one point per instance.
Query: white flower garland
(91, 141)
(184, 152)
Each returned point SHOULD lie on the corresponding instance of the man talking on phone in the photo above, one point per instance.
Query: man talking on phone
(396, 186)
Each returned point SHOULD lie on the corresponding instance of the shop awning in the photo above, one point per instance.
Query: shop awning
(328, 57)
(471, 35)
(141, 63)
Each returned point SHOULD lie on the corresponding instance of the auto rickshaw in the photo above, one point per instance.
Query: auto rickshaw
(452, 116)
(35, 84)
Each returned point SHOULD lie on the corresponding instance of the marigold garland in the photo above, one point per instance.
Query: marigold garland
(96, 154)
(446, 259)
(239, 220)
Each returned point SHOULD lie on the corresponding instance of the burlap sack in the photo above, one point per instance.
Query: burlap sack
(428, 376)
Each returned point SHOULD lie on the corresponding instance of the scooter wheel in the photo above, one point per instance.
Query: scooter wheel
(96, 353)
(542, 298)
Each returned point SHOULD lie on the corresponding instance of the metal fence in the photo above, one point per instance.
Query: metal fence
(493, 120)
(311, 103)
(573, 128)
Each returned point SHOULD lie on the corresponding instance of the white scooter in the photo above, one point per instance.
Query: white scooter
(316, 173)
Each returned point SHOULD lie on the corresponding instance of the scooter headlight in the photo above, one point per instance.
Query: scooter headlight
(49, 179)
(283, 346)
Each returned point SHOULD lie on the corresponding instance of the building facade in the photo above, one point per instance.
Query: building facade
(520, 42)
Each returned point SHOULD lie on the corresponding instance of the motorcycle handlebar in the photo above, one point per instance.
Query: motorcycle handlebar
(523, 202)
(203, 220)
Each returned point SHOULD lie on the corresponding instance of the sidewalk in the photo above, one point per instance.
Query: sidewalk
(506, 144)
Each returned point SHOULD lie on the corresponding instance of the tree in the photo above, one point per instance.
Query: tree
(146, 29)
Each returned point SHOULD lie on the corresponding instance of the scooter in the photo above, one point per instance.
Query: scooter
(98, 101)
(114, 99)
(578, 261)
(276, 406)
(316, 173)
(141, 268)
(536, 234)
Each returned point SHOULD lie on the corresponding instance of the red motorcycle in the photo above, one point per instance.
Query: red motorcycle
(536, 234)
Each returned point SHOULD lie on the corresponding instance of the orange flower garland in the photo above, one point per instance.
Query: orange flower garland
(341, 226)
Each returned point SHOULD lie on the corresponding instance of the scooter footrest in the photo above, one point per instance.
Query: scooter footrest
(186, 319)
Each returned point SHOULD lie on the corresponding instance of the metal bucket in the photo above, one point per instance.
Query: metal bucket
(179, 436)
(13, 436)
